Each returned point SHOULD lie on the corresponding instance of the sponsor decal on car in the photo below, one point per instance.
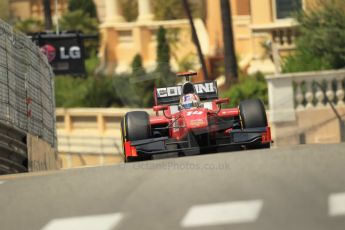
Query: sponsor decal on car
(201, 88)
(197, 122)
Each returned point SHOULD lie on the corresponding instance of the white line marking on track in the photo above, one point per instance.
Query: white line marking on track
(336, 204)
(222, 213)
(2, 182)
(99, 222)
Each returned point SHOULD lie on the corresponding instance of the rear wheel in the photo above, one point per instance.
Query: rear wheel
(253, 115)
(135, 126)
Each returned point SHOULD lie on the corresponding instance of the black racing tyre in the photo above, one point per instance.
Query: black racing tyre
(252, 114)
(136, 126)
(123, 139)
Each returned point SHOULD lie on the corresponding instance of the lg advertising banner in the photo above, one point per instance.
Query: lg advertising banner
(65, 52)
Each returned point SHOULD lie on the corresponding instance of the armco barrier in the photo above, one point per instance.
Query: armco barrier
(27, 102)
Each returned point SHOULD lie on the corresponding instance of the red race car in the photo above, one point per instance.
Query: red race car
(191, 122)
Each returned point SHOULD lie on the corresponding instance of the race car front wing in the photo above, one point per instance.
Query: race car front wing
(240, 138)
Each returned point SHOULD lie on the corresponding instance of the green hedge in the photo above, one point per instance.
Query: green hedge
(252, 86)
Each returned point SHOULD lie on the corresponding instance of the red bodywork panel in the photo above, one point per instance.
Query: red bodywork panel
(130, 151)
(159, 120)
(233, 112)
(196, 119)
(266, 137)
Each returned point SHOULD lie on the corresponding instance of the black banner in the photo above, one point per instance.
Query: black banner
(65, 52)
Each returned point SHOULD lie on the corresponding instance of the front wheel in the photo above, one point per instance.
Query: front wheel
(134, 127)
(253, 115)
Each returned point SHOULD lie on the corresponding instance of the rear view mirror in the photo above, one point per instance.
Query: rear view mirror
(158, 108)
(222, 101)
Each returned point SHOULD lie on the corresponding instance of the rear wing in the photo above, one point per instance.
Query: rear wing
(171, 95)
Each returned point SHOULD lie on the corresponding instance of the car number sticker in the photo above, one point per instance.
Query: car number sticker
(190, 113)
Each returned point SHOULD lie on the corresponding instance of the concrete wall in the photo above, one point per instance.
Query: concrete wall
(315, 126)
(89, 136)
(41, 156)
(75, 160)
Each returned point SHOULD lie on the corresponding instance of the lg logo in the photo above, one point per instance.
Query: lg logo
(49, 51)
(72, 53)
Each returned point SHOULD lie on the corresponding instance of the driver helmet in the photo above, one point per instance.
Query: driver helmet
(189, 101)
(189, 98)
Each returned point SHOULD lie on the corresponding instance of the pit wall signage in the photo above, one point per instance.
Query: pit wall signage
(65, 52)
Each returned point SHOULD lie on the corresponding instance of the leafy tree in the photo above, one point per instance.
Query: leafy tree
(137, 66)
(163, 10)
(187, 62)
(173, 9)
(101, 93)
(130, 9)
(164, 76)
(248, 87)
(304, 61)
(163, 49)
(139, 82)
(94, 92)
(69, 91)
(86, 6)
(79, 21)
(321, 44)
(126, 90)
(4, 9)
(29, 25)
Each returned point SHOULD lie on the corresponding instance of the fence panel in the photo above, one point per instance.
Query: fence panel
(26, 86)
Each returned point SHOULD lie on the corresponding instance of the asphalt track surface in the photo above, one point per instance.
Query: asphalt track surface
(300, 187)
